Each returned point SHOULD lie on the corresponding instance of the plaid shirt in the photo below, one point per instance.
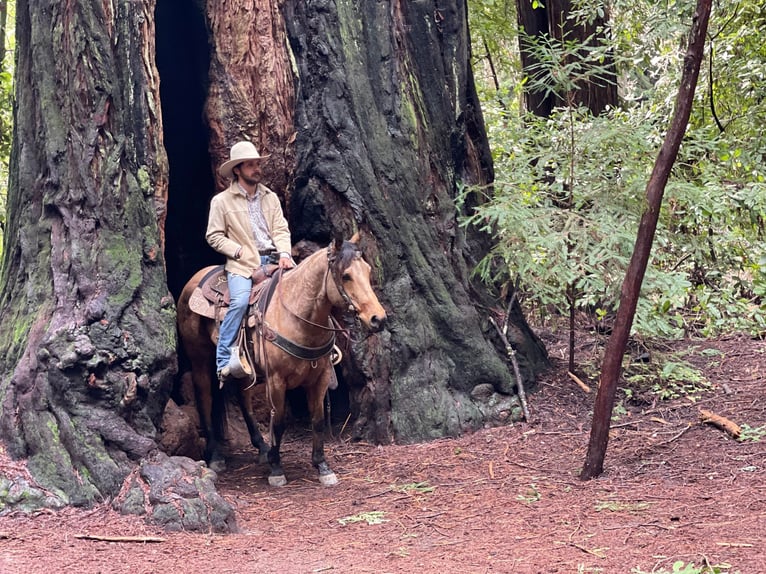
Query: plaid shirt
(261, 233)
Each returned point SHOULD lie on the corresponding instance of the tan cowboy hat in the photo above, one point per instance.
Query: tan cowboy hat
(240, 151)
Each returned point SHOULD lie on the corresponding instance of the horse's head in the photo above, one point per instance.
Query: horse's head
(351, 275)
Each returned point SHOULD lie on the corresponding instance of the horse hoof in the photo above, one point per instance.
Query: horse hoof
(328, 479)
(278, 480)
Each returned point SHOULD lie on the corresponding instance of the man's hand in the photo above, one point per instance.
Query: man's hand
(286, 262)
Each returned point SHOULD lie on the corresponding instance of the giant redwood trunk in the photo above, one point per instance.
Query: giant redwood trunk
(87, 331)
(370, 117)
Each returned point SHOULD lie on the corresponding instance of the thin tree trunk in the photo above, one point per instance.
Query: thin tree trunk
(3, 25)
(631, 286)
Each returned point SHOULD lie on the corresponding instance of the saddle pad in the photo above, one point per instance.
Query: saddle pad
(201, 305)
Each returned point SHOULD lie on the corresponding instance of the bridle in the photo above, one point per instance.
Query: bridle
(335, 272)
(338, 279)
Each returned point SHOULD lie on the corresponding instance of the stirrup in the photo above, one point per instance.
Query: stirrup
(239, 367)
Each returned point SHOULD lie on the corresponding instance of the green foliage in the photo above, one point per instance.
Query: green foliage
(680, 567)
(373, 517)
(750, 434)
(563, 67)
(495, 51)
(570, 188)
(620, 506)
(414, 488)
(667, 377)
(531, 495)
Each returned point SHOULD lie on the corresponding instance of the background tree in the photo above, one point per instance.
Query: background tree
(352, 100)
(7, 15)
(582, 25)
(612, 366)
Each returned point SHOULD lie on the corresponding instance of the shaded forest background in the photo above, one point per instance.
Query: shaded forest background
(707, 275)
(574, 107)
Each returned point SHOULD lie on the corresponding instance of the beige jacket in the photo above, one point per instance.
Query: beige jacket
(229, 228)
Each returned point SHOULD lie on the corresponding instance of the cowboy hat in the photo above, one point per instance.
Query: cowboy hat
(240, 151)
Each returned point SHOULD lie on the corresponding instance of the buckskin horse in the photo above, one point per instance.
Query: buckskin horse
(290, 342)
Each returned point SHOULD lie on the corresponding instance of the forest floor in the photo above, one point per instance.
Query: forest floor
(505, 500)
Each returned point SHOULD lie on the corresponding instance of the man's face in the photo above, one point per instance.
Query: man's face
(249, 171)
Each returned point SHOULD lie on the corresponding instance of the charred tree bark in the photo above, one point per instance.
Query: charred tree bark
(388, 126)
(533, 22)
(87, 331)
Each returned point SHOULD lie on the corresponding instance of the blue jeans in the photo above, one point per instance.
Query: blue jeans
(239, 293)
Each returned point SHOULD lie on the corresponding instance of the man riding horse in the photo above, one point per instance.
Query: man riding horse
(291, 336)
(246, 224)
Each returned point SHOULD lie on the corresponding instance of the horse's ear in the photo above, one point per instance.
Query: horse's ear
(337, 242)
(355, 238)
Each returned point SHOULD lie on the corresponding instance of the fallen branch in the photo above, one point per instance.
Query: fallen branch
(119, 538)
(721, 422)
(517, 373)
(577, 380)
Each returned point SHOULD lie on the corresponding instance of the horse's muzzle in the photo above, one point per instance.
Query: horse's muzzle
(377, 322)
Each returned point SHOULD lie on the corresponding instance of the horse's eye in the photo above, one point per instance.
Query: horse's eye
(346, 277)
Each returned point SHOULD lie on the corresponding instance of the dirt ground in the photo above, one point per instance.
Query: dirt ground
(499, 500)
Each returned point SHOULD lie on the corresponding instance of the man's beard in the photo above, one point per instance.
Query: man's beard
(249, 180)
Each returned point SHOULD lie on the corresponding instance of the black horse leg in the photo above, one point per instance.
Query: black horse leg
(217, 435)
(245, 398)
(326, 475)
(316, 405)
(277, 475)
(211, 409)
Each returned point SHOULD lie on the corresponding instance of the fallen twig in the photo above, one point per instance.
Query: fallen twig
(675, 437)
(597, 552)
(721, 422)
(119, 538)
(577, 380)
